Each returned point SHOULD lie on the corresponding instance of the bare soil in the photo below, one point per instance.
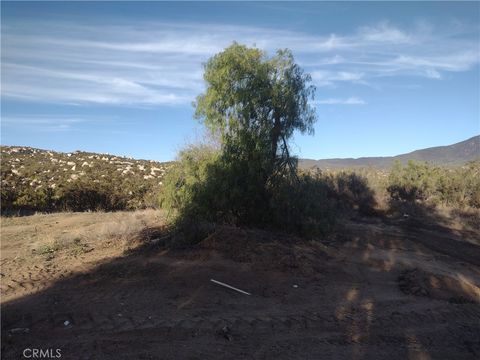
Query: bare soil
(380, 289)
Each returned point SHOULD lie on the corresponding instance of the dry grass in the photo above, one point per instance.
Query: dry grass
(123, 228)
(74, 233)
(460, 219)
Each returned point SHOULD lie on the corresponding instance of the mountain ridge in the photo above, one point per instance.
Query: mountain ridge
(454, 154)
(449, 155)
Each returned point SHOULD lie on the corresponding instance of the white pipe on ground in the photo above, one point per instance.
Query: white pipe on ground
(230, 287)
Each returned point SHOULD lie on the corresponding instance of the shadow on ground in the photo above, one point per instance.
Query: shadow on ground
(336, 298)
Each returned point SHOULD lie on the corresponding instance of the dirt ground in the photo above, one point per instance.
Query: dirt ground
(102, 286)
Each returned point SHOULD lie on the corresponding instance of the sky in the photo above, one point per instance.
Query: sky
(120, 77)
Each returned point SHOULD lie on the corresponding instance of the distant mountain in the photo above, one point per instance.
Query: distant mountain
(455, 154)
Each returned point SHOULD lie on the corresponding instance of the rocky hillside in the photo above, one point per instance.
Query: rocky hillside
(456, 154)
(40, 179)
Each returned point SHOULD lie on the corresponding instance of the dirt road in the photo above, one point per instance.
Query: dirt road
(379, 292)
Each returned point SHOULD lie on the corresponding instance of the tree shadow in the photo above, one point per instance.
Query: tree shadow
(420, 221)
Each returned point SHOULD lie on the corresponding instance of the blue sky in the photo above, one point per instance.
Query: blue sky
(119, 77)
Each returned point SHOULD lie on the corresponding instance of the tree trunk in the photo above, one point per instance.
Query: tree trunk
(275, 137)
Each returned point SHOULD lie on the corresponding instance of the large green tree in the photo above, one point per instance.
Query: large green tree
(255, 103)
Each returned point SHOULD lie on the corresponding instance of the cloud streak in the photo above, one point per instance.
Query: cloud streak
(161, 63)
(46, 123)
(335, 101)
(43, 122)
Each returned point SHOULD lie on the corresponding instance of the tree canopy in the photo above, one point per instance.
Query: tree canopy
(256, 102)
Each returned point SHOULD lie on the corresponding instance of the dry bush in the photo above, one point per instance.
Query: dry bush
(120, 229)
(434, 185)
(124, 227)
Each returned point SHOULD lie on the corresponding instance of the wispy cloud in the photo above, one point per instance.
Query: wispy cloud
(334, 101)
(161, 63)
(323, 77)
(49, 123)
(384, 33)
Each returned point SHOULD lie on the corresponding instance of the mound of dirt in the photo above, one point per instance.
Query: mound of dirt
(267, 250)
(441, 287)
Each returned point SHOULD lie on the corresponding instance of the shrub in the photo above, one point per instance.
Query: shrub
(205, 185)
(39, 180)
(30, 199)
(415, 181)
(455, 187)
(89, 196)
(182, 180)
(306, 207)
(352, 192)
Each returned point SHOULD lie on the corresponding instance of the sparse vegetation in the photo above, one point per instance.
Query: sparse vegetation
(420, 182)
(45, 181)
(341, 191)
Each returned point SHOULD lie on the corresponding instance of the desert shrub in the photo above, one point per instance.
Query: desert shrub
(28, 199)
(352, 192)
(206, 185)
(454, 187)
(415, 181)
(39, 180)
(184, 177)
(460, 187)
(8, 197)
(89, 196)
(306, 206)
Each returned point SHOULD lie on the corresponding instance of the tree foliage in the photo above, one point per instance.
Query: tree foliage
(255, 103)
